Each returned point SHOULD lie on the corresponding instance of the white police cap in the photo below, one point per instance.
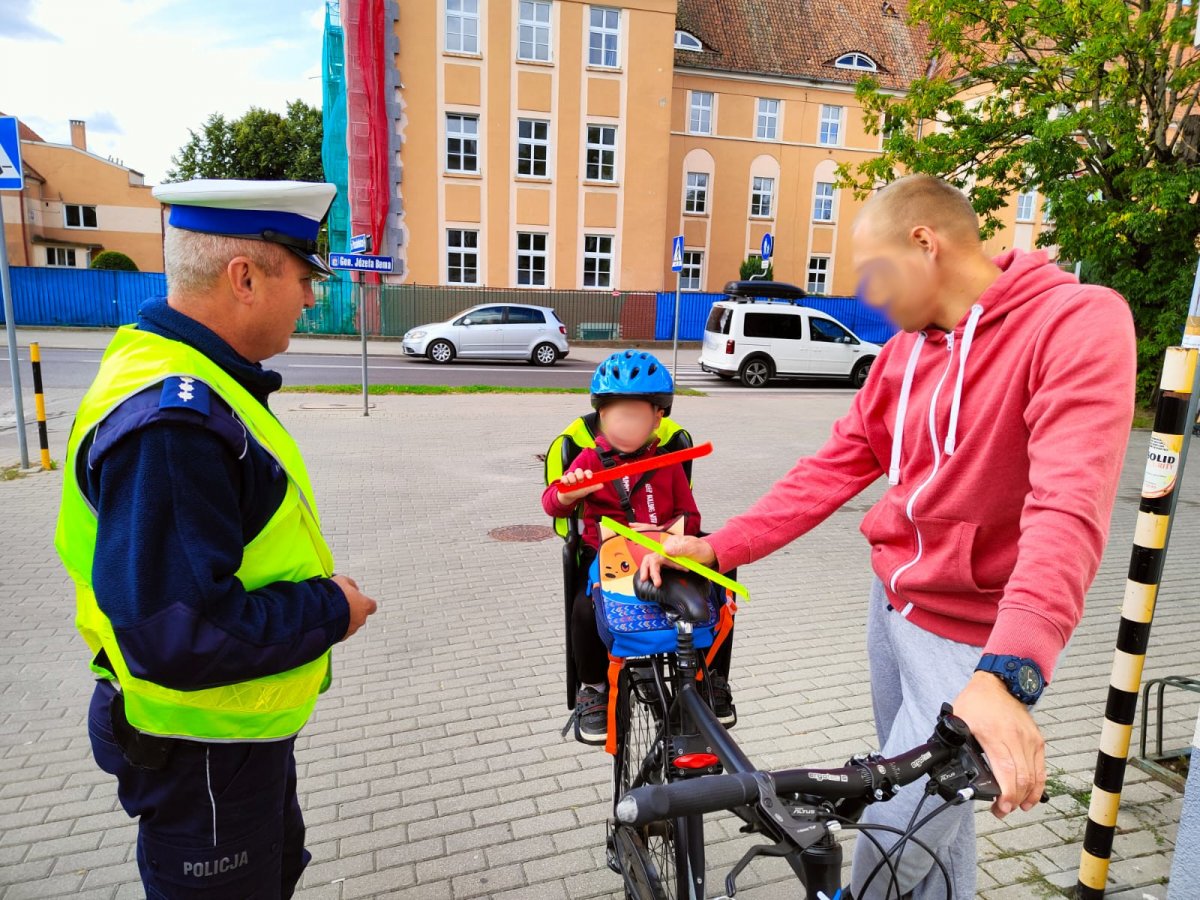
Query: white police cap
(283, 212)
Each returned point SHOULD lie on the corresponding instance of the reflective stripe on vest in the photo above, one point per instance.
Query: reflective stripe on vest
(289, 548)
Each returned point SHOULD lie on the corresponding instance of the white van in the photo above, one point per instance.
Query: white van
(759, 334)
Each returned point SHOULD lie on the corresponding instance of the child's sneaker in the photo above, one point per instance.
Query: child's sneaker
(722, 698)
(591, 716)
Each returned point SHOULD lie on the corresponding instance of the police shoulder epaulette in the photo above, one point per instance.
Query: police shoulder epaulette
(185, 392)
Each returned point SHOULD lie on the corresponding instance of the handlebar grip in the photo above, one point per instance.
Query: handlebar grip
(708, 794)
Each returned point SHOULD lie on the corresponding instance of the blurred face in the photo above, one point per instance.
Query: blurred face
(628, 424)
(898, 277)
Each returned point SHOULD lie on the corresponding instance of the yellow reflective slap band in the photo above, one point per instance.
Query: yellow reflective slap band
(691, 565)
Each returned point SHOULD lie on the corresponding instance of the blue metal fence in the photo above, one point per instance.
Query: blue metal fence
(865, 321)
(105, 299)
(94, 298)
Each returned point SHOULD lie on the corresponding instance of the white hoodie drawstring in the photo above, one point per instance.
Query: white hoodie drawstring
(902, 409)
(968, 335)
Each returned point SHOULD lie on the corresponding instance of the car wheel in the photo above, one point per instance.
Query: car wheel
(544, 355)
(858, 376)
(756, 372)
(440, 351)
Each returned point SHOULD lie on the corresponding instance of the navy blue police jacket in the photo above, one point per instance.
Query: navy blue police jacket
(180, 488)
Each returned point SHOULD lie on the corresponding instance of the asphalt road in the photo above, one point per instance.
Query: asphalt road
(73, 369)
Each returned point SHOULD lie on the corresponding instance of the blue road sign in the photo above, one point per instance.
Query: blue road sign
(360, 243)
(677, 254)
(358, 263)
(11, 178)
(768, 246)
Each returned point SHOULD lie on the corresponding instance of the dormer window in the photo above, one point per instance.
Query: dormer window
(686, 41)
(859, 61)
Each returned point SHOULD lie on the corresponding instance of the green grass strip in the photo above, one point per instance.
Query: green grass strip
(424, 389)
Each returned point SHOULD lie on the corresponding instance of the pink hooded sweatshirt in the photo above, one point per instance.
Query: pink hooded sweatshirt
(1002, 443)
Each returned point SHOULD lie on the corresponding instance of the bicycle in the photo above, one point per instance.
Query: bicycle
(675, 763)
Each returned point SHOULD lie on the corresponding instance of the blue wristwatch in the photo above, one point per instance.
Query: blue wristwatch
(1021, 676)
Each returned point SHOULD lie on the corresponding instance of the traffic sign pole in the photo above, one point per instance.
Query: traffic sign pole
(677, 268)
(10, 329)
(675, 337)
(362, 326)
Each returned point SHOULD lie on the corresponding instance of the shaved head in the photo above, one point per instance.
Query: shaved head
(921, 200)
(917, 253)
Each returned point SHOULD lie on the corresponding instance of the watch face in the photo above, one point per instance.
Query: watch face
(1029, 679)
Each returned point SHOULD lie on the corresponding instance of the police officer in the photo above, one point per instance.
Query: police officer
(205, 590)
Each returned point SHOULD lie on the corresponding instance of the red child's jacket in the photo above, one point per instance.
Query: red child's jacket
(662, 496)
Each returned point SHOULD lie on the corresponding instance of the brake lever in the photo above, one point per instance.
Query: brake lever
(798, 825)
(970, 770)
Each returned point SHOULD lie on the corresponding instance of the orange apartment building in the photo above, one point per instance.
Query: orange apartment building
(76, 204)
(561, 143)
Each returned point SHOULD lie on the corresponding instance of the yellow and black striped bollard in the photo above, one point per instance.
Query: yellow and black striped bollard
(1164, 464)
(39, 400)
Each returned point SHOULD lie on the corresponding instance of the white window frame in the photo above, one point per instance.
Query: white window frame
(533, 142)
(859, 62)
(461, 135)
(1026, 205)
(532, 254)
(608, 32)
(830, 125)
(766, 124)
(463, 251)
(697, 111)
(824, 199)
(695, 195)
(534, 32)
(602, 148)
(819, 267)
(685, 40)
(81, 226)
(463, 13)
(65, 254)
(762, 186)
(593, 257)
(691, 276)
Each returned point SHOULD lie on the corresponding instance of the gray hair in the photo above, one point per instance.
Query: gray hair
(194, 262)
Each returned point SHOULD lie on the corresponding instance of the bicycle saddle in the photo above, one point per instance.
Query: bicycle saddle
(683, 594)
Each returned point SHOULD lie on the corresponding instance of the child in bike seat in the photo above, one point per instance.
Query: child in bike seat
(631, 391)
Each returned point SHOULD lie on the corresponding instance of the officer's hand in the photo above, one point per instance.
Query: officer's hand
(360, 604)
(683, 545)
(1010, 738)
(570, 498)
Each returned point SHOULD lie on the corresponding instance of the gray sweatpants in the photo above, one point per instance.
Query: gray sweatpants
(913, 672)
(1185, 869)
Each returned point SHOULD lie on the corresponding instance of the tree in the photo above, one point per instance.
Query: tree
(752, 265)
(259, 145)
(114, 260)
(1091, 102)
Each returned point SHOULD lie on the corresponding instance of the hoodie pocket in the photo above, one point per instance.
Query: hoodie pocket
(945, 564)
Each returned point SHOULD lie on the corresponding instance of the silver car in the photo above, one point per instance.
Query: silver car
(493, 331)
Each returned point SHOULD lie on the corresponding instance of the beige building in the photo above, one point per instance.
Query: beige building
(561, 143)
(76, 204)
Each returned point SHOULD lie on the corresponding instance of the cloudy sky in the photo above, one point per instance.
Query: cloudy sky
(142, 72)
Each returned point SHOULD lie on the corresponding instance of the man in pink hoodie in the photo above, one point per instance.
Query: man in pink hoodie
(1000, 416)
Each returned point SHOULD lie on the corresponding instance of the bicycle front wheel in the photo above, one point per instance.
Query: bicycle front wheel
(648, 857)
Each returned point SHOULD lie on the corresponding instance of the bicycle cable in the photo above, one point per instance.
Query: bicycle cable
(902, 844)
(888, 829)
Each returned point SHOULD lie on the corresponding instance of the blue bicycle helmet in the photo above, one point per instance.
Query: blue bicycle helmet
(633, 375)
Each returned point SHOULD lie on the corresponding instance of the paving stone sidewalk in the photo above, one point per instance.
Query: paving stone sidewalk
(434, 766)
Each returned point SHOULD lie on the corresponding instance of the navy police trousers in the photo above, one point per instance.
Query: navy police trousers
(214, 820)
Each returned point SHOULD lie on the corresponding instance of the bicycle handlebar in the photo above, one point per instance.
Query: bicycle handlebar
(950, 752)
